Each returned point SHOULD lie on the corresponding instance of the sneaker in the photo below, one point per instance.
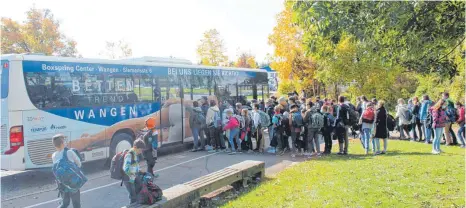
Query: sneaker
(383, 153)
(232, 153)
(212, 151)
(227, 150)
(319, 155)
(250, 151)
(193, 150)
(293, 155)
(462, 146)
(435, 152)
(345, 153)
(270, 150)
(340, 153)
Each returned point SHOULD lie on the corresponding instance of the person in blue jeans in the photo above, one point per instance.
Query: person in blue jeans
(196, 120)
(423, 113)
(367, 121)
(439, 122)
(233, 126)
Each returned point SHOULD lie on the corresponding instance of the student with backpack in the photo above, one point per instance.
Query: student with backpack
(269, 107)
(296, 123)
(246, 131)
(131, 169)
(329, 120)
(232, 127)
(460, 121)
(196, 123)
(315, 123)
(416, 121)
(150, 138)
(260, 120)
(450, 111)
(425, 119)
(67, 172)
(205, 129)
(367, 123)
(214, 123)
(342, 123)
(404, 116)
(440, 119)
(277, 126)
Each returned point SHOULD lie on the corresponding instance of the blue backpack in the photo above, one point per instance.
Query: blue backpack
(217, 119)
(68, 175)
(297, 120)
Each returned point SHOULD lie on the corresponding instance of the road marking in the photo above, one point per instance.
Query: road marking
(111, 184)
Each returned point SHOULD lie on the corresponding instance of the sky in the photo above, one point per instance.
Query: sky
(160, 28)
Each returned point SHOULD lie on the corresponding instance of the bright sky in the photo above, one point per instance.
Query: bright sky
(160, 27)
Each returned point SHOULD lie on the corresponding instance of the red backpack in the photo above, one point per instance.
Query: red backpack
(368, 116)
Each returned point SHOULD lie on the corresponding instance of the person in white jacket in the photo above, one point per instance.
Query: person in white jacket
(215, 128)
(402, 113)
(256, 118)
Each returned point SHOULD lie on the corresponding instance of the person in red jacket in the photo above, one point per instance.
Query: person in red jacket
(461, 123)
(233, 126)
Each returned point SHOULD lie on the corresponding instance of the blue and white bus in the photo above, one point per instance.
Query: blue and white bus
(100, 105)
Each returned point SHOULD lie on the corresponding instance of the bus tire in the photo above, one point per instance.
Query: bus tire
(120, 142)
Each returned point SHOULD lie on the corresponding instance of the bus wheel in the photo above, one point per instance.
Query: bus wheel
(120, 142)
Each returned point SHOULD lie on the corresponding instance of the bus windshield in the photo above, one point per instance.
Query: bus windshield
(4, 80)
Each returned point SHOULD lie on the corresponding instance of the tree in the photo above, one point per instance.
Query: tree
(289, 59)
(39, 33)
(211, 50)
(117, 50)
(385, 49)
(246, 60)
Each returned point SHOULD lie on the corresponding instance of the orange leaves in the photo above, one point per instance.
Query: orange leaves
(38, 34)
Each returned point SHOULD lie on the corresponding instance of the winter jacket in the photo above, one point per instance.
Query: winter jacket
(402, 115)
(381, 130)
(192, 114)
(461, 116)
(308, 114)
(231, 124)
(426, 104)
(439, 117)
(210, 114)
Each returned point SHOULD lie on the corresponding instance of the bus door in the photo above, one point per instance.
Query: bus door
(4, 75)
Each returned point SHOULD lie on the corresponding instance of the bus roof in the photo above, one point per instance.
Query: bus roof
(138, 62)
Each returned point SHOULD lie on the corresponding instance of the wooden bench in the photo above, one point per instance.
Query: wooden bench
(189, 193)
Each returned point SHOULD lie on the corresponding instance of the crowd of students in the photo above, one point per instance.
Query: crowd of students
(432, 121)
(296, 120)
(298, 124)
(299, 121)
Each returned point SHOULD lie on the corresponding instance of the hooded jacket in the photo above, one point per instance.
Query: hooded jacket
(426, 104)
(192, 113)
(402, 115)
(210, 114)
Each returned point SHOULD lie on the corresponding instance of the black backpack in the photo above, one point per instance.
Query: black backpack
(116, 166)
(150, 192)
(429, 119)
(391, 122)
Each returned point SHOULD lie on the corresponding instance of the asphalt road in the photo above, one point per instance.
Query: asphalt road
(37, 188)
